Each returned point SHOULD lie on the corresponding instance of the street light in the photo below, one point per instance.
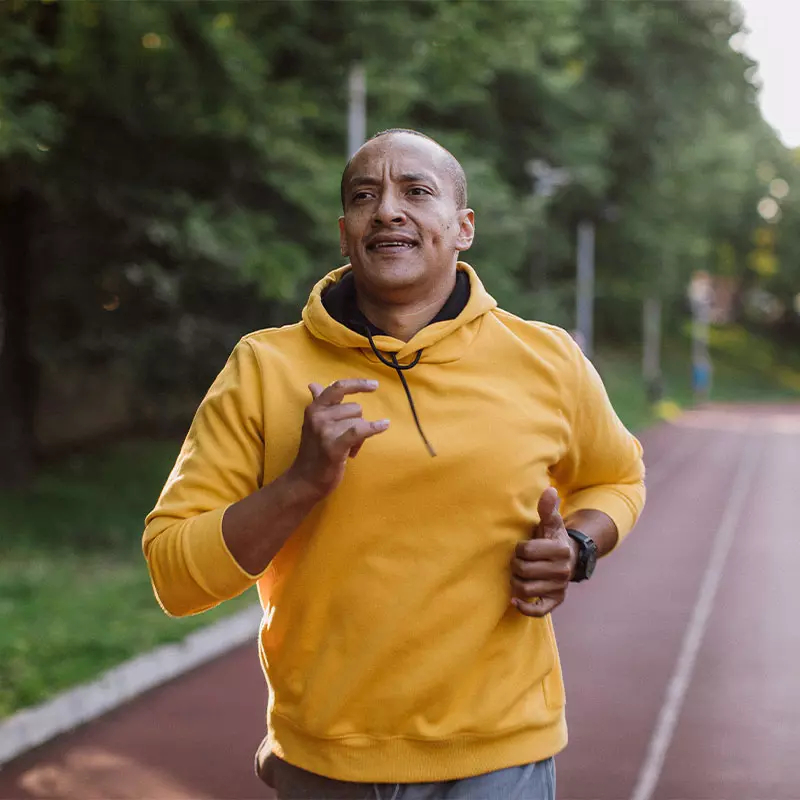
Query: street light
(547, 180)
(356, 108)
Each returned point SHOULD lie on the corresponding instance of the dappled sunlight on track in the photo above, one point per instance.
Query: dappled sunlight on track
(91, 772)
(191, 739)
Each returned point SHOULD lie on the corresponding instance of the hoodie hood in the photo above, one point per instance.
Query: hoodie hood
(438, 342)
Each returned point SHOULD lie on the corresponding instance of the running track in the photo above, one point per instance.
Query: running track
(681, 655)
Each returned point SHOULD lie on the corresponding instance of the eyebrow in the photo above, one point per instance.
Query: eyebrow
(407, 177)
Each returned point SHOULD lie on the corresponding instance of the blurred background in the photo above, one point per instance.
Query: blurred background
(169, 180)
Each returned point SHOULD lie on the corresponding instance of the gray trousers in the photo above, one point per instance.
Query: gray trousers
(536, 781)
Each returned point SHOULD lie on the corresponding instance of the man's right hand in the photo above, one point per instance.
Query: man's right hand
(332, 432)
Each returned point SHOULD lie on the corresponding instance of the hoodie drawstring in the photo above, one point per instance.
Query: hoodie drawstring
(400, 368)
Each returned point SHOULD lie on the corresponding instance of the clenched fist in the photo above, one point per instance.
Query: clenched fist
(542, 566)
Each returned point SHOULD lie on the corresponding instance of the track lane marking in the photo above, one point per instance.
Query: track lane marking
(678, 686)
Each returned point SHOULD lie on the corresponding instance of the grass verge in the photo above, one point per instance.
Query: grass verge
(75, 597)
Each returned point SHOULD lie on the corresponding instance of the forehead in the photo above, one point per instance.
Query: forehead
(398, 154)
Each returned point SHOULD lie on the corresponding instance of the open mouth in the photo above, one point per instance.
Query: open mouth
(390, 247)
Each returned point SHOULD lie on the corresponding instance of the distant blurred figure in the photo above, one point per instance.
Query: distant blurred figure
(701, 300)
(406, 636)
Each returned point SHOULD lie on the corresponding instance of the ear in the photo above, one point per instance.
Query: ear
(466, 229)
(343, 239)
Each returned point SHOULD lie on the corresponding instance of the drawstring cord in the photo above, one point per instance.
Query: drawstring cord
(400, 369)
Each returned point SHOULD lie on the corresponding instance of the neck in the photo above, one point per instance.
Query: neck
(402, 320)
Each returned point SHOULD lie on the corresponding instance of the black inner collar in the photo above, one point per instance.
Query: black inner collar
(340, 302)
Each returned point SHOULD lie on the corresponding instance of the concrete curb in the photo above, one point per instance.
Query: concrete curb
(34, 726)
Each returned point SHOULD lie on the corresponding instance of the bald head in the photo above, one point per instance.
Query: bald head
(448, 162)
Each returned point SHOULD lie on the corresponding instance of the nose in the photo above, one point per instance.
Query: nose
(389, 210)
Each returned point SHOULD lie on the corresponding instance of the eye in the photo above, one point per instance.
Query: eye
(418, 191)
(362, 195)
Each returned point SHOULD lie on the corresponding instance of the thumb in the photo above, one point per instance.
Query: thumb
(549, 518)
(315, 389)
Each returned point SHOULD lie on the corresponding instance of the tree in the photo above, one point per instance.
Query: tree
(171, 170)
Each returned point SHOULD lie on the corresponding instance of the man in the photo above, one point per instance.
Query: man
(387, 471)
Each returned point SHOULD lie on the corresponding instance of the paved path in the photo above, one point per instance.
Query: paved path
(681, 655)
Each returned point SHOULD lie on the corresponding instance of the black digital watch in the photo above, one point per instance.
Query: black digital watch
(587, 555)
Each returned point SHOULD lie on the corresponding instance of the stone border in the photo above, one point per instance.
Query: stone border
(34, 726)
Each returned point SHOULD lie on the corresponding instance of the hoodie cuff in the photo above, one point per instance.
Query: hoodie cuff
(624, 507)
(211, 562)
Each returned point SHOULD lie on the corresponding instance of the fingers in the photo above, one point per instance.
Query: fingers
(543, 550)
(525, 590)
(339, 428)
(341, 411)
(332, 431)
(555, 570)
(354, 450)
(540, 568)
(540, 608)
(354, 436)
(344, 437)
(336, 392)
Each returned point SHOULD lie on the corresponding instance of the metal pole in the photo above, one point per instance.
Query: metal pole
(357, 108)
(584, 294)
(546, 182)
(651, 351)
(538, 271)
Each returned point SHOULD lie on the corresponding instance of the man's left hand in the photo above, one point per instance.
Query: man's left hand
(542, 566)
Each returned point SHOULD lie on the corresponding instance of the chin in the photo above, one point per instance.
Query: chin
(391, 273)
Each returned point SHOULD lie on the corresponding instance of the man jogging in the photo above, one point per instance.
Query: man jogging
(388, 472)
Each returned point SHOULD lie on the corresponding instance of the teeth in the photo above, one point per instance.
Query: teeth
(393, 244)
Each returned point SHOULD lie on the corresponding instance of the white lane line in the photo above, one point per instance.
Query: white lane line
(693, 637)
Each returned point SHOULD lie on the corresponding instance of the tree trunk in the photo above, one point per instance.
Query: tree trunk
(17, 373)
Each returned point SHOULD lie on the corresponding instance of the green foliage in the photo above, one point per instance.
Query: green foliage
(185, 157)
(88, 501)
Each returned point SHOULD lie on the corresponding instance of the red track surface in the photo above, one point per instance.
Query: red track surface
(734, 731)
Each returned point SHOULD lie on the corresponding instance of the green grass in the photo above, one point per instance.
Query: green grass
(75, 596)
(89, 502)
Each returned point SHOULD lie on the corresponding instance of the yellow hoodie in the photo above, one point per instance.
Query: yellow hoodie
(388, 641)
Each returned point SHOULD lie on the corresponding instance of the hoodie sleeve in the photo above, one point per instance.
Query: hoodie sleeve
(221, 462)
(603, 467)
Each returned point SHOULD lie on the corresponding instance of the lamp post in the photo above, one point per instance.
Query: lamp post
(356, 108)
(651, 347)
(547, 180)
(584, 288)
